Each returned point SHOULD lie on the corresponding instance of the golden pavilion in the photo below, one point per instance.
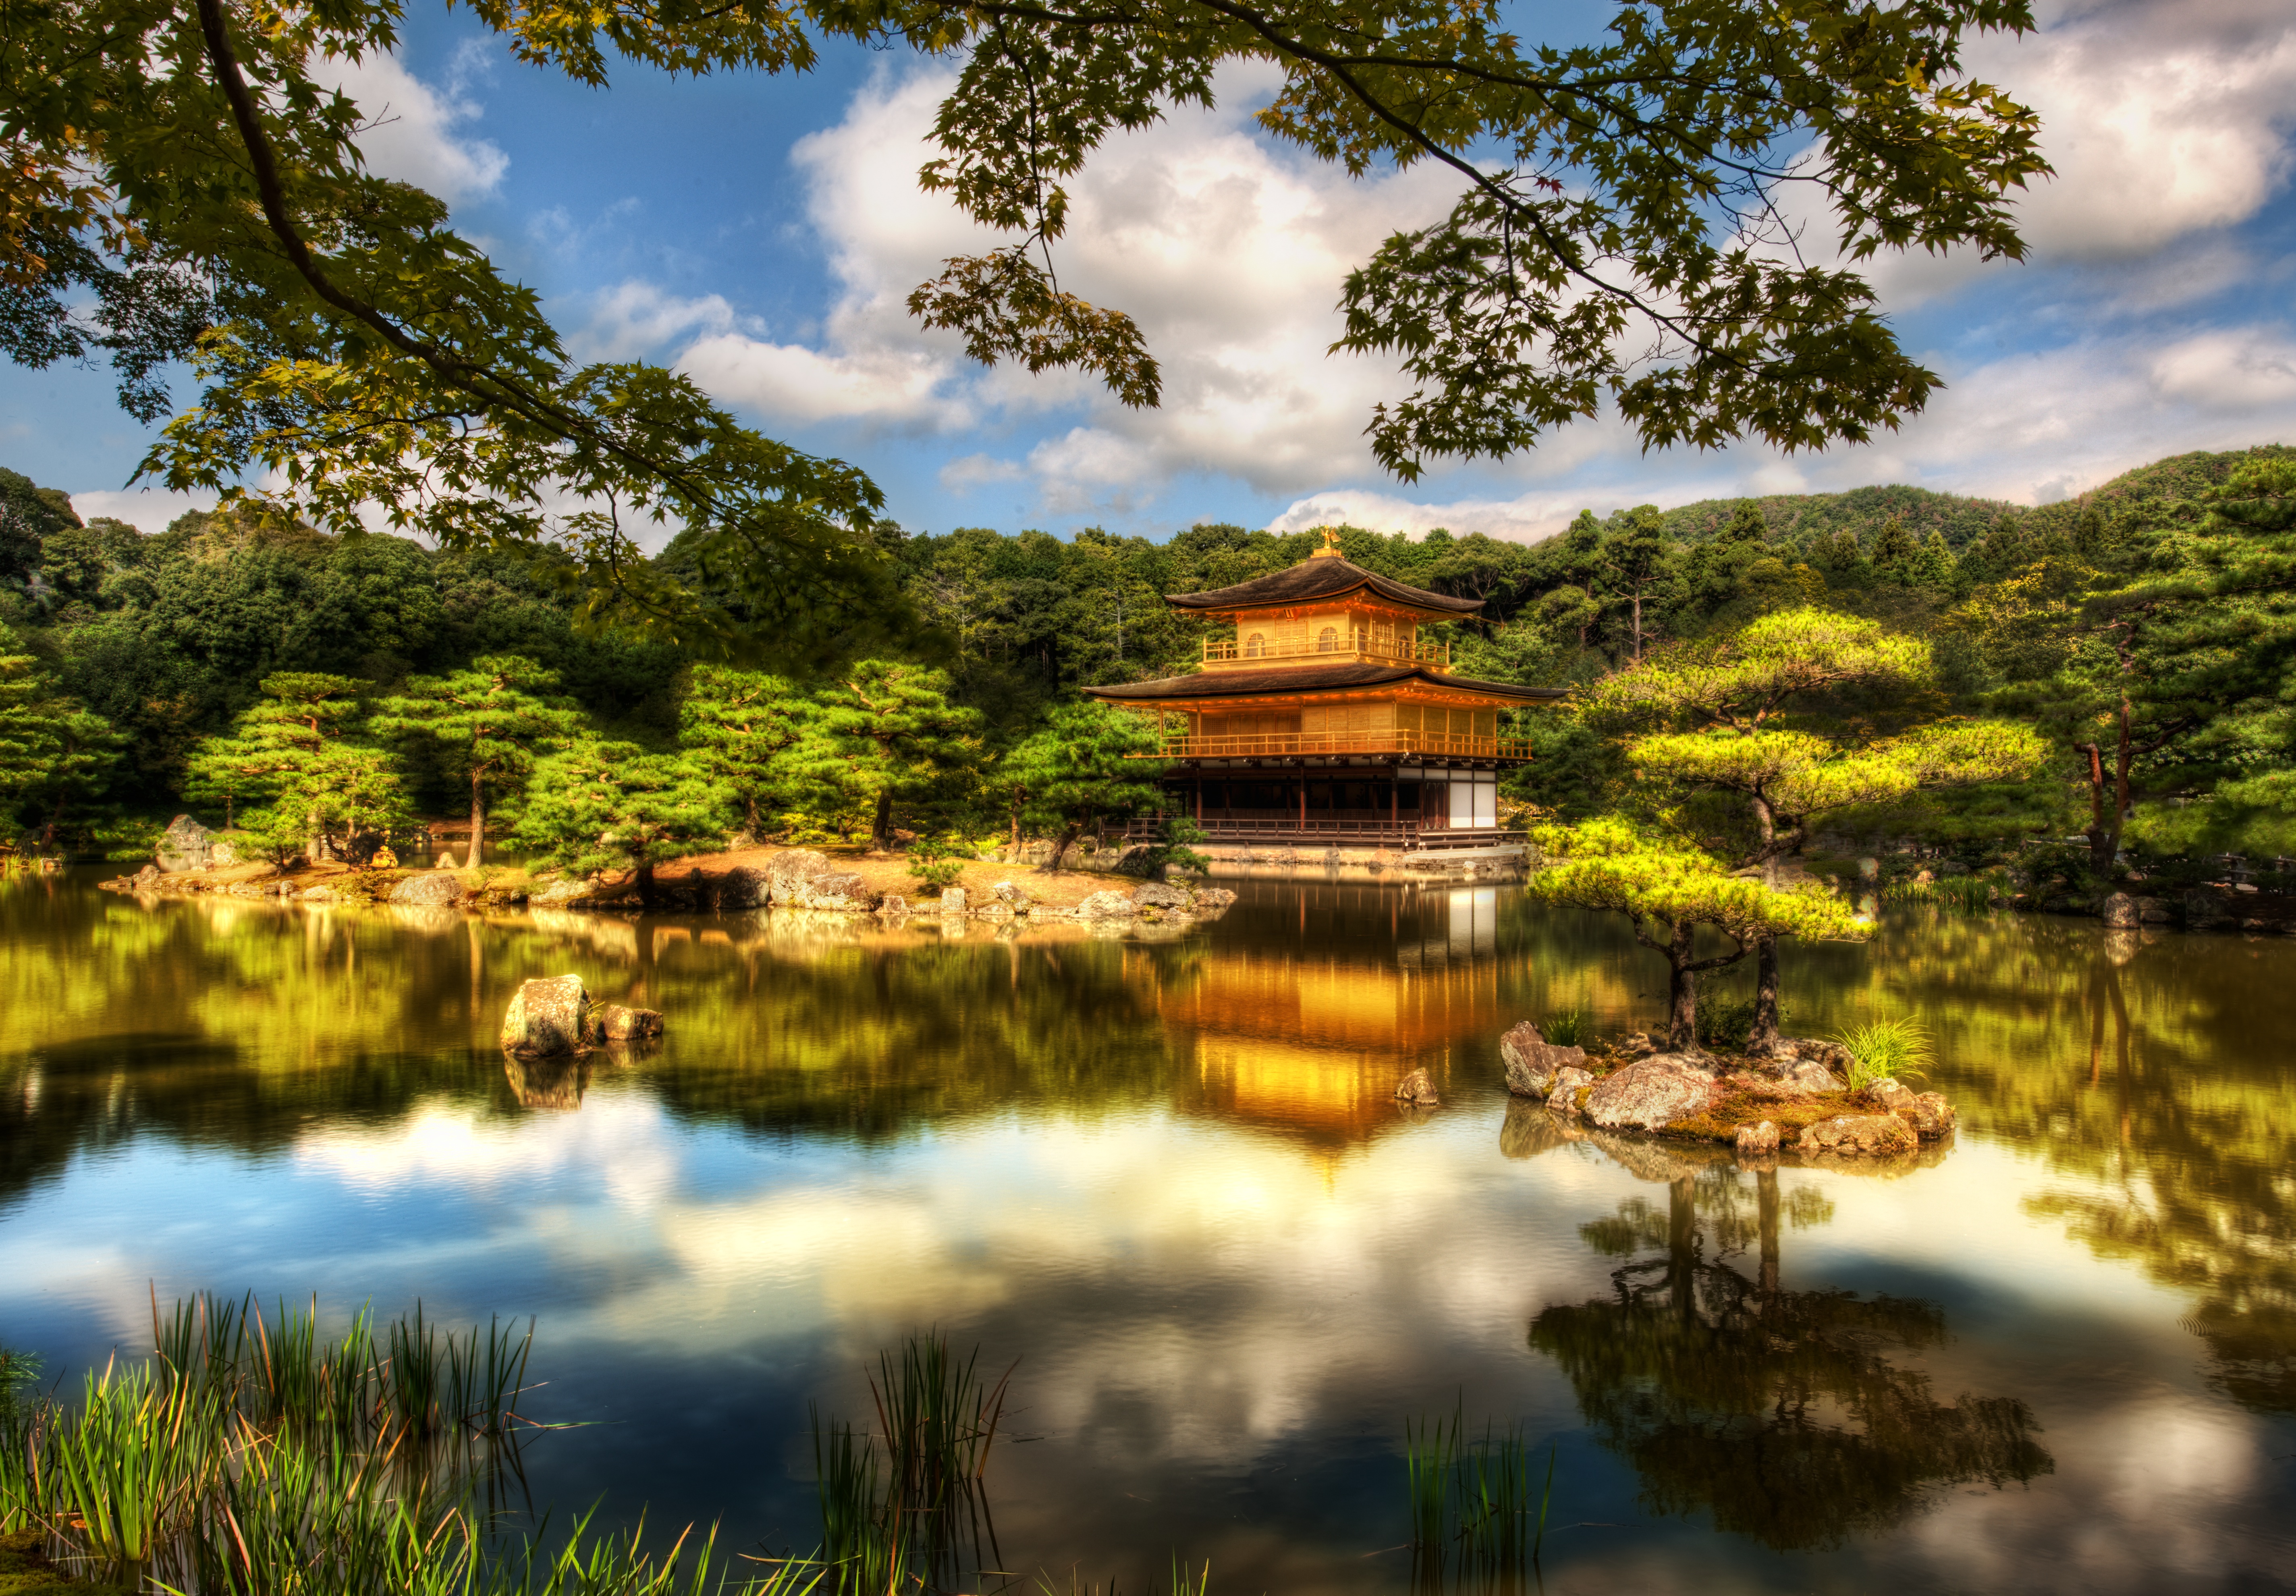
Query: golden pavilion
(1325, 717)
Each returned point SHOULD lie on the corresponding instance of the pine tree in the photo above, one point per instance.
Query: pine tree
(599, 805)
(1084, 765)
(1932, 568)
(884, 730)
(1741, 723)
(300, 755)
(1668, 889)
(52, 749)
(1895, 553)
(740, 727)
(490, 723)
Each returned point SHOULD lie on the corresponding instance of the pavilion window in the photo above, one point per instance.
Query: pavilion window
(1254, 646)
(1327, 641)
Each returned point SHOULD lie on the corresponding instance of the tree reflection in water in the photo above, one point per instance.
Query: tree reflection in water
(1779, 1412)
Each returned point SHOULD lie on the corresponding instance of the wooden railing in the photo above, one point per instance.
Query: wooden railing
(1338, 742)
(1286, 827)
(1347, 645)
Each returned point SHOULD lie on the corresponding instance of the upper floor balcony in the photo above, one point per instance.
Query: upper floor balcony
(1329, 646)
(1284, 744)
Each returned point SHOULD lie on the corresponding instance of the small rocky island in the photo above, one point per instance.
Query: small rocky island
(1792, 1099)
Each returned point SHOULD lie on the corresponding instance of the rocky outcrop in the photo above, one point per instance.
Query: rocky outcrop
(184, 845)
(565, 890)
(1417, 1089)
(842, 892)
(1563, 1091)
(1759, 1141)
(1860, 1136)
(742, 887)
(437, 889)
(1107, 905)
(1531, 1060)
(1652, 1094)
(951, 900)
(545, 1017)
(1160, 894)
(2120, 911)
(1013, 896)
(614, 1023)
(1212, 902)
(893, 906)
(785, 871)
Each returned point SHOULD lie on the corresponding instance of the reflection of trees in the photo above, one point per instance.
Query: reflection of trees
(1781, 1412)
(2154, 1071)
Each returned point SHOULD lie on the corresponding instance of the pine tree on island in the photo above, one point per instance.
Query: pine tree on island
(52, 749)
(1081, 768)
(299, 753)
(740, 727)
(489, 724)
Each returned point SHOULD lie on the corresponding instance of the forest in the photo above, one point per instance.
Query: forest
(260, 673)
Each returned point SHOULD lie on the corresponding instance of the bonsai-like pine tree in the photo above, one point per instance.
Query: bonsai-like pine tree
(1755, 733)
(739, 728)
(1084, 765)
(299, 754)
(884, 730)
(1668, 890)
(489, 724)
(53, 748)
(611, 806)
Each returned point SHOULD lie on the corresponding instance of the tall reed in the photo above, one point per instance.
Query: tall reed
(1469, 1499)
(1886, 1050)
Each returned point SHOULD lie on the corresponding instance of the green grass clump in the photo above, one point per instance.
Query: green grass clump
(1886, 1050)
(1470, 1499)
(1565, 1028)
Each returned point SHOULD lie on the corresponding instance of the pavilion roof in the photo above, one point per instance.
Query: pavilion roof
(1340, 675)
(1328, 575)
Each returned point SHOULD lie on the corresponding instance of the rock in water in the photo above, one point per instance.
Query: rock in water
(184, 845)
(1013, 896)
(445, 861)
(842, 891)
(1891, 1095)
(1759, 1141)
(1532, 1060)
(741, 887)
(1861, 1136)
(546, 1016)
(786, 871)
(951, 900)
(1650, 1094)
(1417, 1089)
(435, 888)
(615, 1023)
(2120, 911)
(1563, 1091)
(1107, 905)
(1928, 1112)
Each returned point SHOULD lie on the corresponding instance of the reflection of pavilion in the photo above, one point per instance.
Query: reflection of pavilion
(1316, 1040)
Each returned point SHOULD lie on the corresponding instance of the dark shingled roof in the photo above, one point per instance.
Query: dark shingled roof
(1317, 578)
(1297, 678)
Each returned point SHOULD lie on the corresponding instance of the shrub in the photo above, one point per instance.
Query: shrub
(1565, 1028)
(931, 861)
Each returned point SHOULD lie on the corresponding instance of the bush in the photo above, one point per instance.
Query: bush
(931, 861)
(1725, 1021)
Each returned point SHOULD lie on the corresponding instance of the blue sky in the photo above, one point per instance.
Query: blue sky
(761, 235)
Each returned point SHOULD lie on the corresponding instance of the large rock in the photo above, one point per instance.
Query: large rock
(1652, 1094)
(1531, 1060)
(1107, 905)
(951, 900)
(419, 891)
(1928, 1112)
(1013, 896)
(1417, 1089)
(1759, 1141)
(787, 872)
(546, 1016)
(2120, 911)
(1563, 1091)
(842, 891)
(615, 1023)
(184, 845)
(1160, 894)
(1861, 1136)
(742, 887)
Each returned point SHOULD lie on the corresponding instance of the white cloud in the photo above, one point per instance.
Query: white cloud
(412, 128)
(145, 508)
(978, 470)
(633, 318)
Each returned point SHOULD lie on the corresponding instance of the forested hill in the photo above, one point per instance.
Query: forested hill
(162, 641)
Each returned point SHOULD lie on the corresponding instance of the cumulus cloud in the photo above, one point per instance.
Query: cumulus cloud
(145, 508)
(413, 128)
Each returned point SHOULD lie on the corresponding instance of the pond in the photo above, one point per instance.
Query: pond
(1165, 1183)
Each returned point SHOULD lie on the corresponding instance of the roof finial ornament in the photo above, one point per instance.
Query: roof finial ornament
(1331, 549)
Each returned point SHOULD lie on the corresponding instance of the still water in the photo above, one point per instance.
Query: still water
(1167, 1182)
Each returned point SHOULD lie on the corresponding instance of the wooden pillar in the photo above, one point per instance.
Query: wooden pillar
(1303, 799)
(1200, 798)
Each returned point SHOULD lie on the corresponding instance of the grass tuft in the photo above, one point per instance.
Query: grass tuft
(1566, 1027)
(1886, 1050)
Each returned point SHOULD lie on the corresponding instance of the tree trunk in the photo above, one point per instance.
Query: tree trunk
(1766, 996)
(1681, 994)
(477, 819)
(880, 828)
(1069, 833)
(1766, 1209)
(645, 887)
(1016, 833)
(1681, 1246)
